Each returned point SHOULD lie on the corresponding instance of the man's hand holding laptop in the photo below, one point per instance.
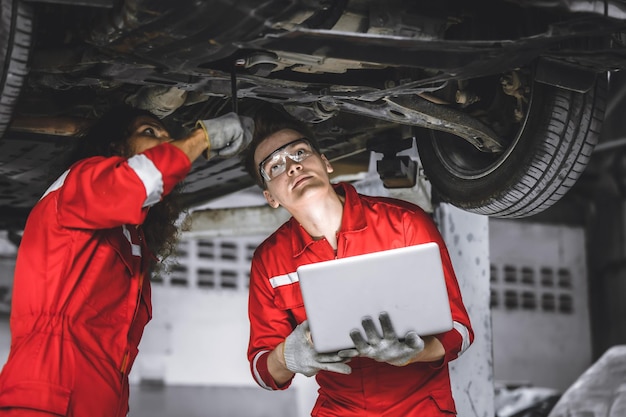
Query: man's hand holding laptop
(301, 357)
(389, 348)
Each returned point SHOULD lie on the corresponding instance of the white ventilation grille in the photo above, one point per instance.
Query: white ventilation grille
(210, 264)
(522, 287)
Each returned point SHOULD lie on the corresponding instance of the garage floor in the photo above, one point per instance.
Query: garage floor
(202, 401)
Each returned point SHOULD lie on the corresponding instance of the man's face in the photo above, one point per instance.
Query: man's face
(300, 177)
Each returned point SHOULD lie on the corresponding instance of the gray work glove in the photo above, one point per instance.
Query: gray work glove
(301, 358)
(227, 135)
(388, 349)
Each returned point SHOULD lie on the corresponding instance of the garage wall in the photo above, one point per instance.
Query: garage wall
(540, 311)
(198, 336)
(199, 331)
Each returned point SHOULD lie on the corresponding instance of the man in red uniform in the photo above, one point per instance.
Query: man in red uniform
(384, 375)
(81, 296)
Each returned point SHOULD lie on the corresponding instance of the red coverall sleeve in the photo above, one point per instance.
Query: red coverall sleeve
(269, 324)
(420, 228)
(100, 192)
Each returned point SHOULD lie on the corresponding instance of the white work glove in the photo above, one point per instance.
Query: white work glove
(227, 135)
(301, 358)
(388, 349)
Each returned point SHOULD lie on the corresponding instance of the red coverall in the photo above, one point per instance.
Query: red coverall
(81, 294)
(369, 224)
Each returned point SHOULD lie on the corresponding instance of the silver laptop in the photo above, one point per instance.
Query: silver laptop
(408, 283)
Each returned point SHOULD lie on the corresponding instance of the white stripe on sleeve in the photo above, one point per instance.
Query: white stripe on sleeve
(257, 376)
(464, 334)
(286, 279)
(56, 184)
(150, 176)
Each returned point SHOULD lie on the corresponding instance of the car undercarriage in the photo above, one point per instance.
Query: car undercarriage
(505, 99)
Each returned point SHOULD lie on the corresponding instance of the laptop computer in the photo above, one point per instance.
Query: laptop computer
(408, 283)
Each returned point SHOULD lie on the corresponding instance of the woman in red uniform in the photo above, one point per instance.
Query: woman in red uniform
(387, 375)
(81, 294)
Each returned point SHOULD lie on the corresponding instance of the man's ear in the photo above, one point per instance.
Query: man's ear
(329, 167)
(270, 200)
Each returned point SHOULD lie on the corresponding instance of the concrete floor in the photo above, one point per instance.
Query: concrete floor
(204, 401)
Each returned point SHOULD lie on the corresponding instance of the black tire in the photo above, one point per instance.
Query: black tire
(545, 157)
(15, 41)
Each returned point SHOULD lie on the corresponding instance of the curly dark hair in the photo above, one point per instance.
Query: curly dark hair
(108, 136)
(267, 121)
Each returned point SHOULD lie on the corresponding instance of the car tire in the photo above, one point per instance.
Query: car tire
(546, 156)
(15, 42)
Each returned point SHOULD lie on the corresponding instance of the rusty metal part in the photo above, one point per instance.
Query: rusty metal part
(513, 86)
(415, 111)
(57, 126)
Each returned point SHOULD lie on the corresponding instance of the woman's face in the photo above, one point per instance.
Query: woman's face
(146, 132)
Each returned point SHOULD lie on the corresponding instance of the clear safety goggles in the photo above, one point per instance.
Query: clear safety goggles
(276, 163)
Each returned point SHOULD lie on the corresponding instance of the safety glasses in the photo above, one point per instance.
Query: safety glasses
(276, 163)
